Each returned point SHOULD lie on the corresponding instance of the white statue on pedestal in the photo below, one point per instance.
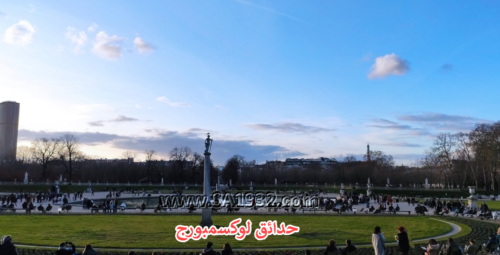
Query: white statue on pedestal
(26, 178)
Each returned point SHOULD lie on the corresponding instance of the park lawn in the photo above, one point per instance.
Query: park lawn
(493, 205)
(158, 231)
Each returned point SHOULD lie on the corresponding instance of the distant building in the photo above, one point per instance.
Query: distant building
(110, 161)
(300, 162)
(9, 124)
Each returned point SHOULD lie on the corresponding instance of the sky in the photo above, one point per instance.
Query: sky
(269, 80)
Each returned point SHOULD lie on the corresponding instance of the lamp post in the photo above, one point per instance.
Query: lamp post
(206, 213)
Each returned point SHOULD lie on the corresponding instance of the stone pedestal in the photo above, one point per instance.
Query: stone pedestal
(472, 201)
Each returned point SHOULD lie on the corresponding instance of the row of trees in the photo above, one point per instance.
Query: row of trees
(47, 159)
(453, 159)
(466, 158)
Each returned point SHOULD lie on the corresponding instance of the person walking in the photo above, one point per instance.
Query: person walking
(378, 240)
(403, 241)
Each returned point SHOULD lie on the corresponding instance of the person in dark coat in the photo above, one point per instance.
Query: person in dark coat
(226, 250)
(89, 250)
(348, 248)
(331, 247)
(209, 250)
(65, 250)
(8, 247)
(403, 241)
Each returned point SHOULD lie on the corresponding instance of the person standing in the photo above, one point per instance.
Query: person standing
(403, 241)
(378, 240)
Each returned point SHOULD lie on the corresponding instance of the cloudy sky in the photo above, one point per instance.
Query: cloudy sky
(268, 79)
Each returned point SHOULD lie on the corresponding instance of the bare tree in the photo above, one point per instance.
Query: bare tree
(466, 153)
(150, 157)
(197, 160)
(180, 156)
(24, 154)
(430, 162)
(70, 153)
(129, 155)
(44, 152)
(444, 148)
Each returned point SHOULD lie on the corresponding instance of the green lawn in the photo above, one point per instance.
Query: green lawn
(493, 205)
(157, 231)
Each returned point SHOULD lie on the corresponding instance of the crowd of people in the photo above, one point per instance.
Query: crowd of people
(7, 246)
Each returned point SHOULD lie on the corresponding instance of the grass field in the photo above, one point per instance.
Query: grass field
(493, 205)
(158, 231)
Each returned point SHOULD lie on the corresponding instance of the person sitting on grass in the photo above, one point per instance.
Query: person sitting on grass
(7, 247)
(65, 250)
(330, 248)
(209, 250)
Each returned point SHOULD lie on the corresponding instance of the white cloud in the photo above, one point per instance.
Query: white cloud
(78, 38)
(92, 28)
(173, 104)
(107, 47)
(142, 46)
(389, 64)
(20, 33)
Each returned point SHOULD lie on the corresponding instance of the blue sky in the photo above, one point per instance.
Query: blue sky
(268, 79)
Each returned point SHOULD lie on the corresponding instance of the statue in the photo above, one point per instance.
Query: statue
(26, 178)
(208, 144)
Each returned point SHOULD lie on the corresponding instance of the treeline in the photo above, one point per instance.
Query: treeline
(49, 159)
(466, 158)
(454, 159)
